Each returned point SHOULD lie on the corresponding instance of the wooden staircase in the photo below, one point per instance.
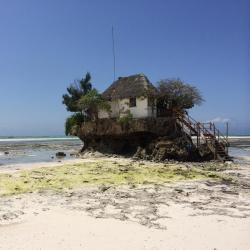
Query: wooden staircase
(205, 133)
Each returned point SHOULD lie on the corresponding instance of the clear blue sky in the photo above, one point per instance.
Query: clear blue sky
(45, 45)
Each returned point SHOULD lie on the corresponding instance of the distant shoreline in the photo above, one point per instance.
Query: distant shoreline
(239, 137)
(26, 139)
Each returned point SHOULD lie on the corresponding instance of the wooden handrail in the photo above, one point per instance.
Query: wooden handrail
(206, 130)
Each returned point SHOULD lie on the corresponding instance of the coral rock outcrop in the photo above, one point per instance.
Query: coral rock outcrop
(148, 138)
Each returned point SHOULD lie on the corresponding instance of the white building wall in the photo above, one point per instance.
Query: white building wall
(115, 110)
(141, 109)
(121, 107)
(103, 114)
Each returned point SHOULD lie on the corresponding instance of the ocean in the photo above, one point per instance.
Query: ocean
(240, 148)
(16, 150)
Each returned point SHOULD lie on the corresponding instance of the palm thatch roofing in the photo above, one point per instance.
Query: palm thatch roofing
(130, 86)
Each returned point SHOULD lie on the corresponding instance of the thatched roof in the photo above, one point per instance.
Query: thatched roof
(130, 86)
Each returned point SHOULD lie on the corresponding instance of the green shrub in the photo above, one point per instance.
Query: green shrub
(124, 120)
(75, 119)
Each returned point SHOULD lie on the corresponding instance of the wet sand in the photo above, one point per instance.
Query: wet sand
(201, 214)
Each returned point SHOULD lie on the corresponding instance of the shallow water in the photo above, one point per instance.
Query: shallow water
(32, 150)
(240, 149)
(43, 149)
(240, 154)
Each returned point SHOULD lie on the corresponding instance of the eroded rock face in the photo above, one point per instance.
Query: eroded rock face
(150, 138)
(112, 127)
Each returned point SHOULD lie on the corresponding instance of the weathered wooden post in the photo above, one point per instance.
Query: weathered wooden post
(227, 136)
(196, 125)
(198, 134)
(214, 142)
(227, 129)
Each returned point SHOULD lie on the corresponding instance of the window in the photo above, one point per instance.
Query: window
(132, 102)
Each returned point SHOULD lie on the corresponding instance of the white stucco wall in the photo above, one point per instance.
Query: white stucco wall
(141, 109)
(120, 108)
(103, 114)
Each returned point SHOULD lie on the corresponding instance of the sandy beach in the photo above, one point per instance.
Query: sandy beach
(203, 213)
(124, 125)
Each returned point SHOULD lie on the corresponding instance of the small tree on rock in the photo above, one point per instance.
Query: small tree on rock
(75, 91)
(91, 103)
(73, 120)
(84, 101)
(175, 94)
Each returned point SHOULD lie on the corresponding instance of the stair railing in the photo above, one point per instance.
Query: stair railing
(206, 131)
(222, 139)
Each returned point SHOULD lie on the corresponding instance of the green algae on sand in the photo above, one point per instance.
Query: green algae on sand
(98, 172)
